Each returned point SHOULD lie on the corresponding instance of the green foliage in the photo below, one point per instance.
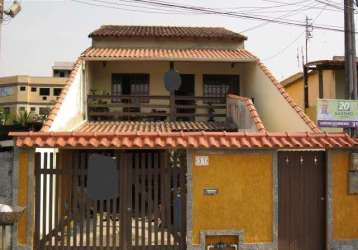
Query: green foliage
(4, 117)
(23, 118)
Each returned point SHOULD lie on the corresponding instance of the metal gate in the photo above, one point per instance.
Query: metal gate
(302, 200)
(149, 212)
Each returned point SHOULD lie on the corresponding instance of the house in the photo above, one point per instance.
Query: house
(29, 93)
(226, 159)
(62, 69)
(325, 80)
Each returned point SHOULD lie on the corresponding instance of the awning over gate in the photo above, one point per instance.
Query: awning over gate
(117, 137)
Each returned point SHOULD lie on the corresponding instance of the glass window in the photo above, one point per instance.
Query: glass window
(44, 111)
(130, 84)
(220, 86)
(7, 110)
(6, 91)
(22, 88)
(57, 91)
(33, 89)
(45, 91)
(22, 108)
(33, 109)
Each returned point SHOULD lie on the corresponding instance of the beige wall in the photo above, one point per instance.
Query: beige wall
(28, 98)
(276, 114)
(72, 110)
(100, 76)
(164, 43)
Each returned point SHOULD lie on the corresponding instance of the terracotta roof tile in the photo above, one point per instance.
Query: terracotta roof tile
(253, 112)
(283, 92)
(183, 140)
(113, 127)
(205, 54)
(122, 31)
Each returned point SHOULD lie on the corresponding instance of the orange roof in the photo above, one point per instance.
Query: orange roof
(217, 55)
(118, 127)
(124, 31)
(253, 112)
(183, 140)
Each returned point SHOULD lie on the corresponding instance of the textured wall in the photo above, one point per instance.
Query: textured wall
(345, 207)
(6, 163)
(245, 198)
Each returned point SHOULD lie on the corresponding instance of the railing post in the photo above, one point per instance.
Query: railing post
(172, 107)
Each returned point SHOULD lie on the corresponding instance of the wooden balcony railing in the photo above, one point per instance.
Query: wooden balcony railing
(155, 108)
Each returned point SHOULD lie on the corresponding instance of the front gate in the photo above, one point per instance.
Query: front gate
(302, 199)
(148, 211)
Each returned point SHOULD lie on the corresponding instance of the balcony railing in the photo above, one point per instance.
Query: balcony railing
(155, 108)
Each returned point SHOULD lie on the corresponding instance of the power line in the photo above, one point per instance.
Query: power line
(294, 41)
(233, 14)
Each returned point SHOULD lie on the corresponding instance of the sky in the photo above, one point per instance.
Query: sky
(46, 31)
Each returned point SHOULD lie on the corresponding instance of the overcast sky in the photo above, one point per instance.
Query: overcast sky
(53, 30)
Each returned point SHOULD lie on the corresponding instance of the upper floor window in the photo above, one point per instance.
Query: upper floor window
(57, 91)
(33, 89)
(6, 91)
(45, 91)
(220, 86)
(7, 110)
(130, 84)
(22, 88)
(44, 111)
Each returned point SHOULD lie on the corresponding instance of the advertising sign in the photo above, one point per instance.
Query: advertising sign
(335, 113)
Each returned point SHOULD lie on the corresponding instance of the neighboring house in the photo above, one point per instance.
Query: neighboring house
(325, 79)
(228, 160)
(62, 69)
(29, 93)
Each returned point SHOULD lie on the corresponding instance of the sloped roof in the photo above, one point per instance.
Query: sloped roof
(118, 127)
(233, 140)
(123, 31)
(227, 55)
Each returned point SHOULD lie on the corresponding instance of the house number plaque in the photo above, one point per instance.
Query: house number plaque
(202, 160)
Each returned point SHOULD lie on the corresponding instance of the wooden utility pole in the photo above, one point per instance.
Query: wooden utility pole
(350, 51)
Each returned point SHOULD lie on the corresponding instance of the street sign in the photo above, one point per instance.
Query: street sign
(336, 113)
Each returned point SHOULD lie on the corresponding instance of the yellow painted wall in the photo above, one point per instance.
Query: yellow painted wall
(22, 195)
(296, 91)
(244, 201)
(345, 206)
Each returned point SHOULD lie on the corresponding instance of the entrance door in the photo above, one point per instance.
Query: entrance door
(301, 200)
(185, 98)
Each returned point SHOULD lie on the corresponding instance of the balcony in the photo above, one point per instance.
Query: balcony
(155, 108)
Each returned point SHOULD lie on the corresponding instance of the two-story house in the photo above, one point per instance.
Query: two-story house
(224, 160)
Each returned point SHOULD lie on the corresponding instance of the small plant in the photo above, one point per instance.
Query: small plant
(23, 118)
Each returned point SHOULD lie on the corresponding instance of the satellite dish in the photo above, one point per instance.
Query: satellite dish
(172, 80)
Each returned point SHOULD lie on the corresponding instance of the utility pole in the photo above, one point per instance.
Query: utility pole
(350, 51)
(309, 29)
